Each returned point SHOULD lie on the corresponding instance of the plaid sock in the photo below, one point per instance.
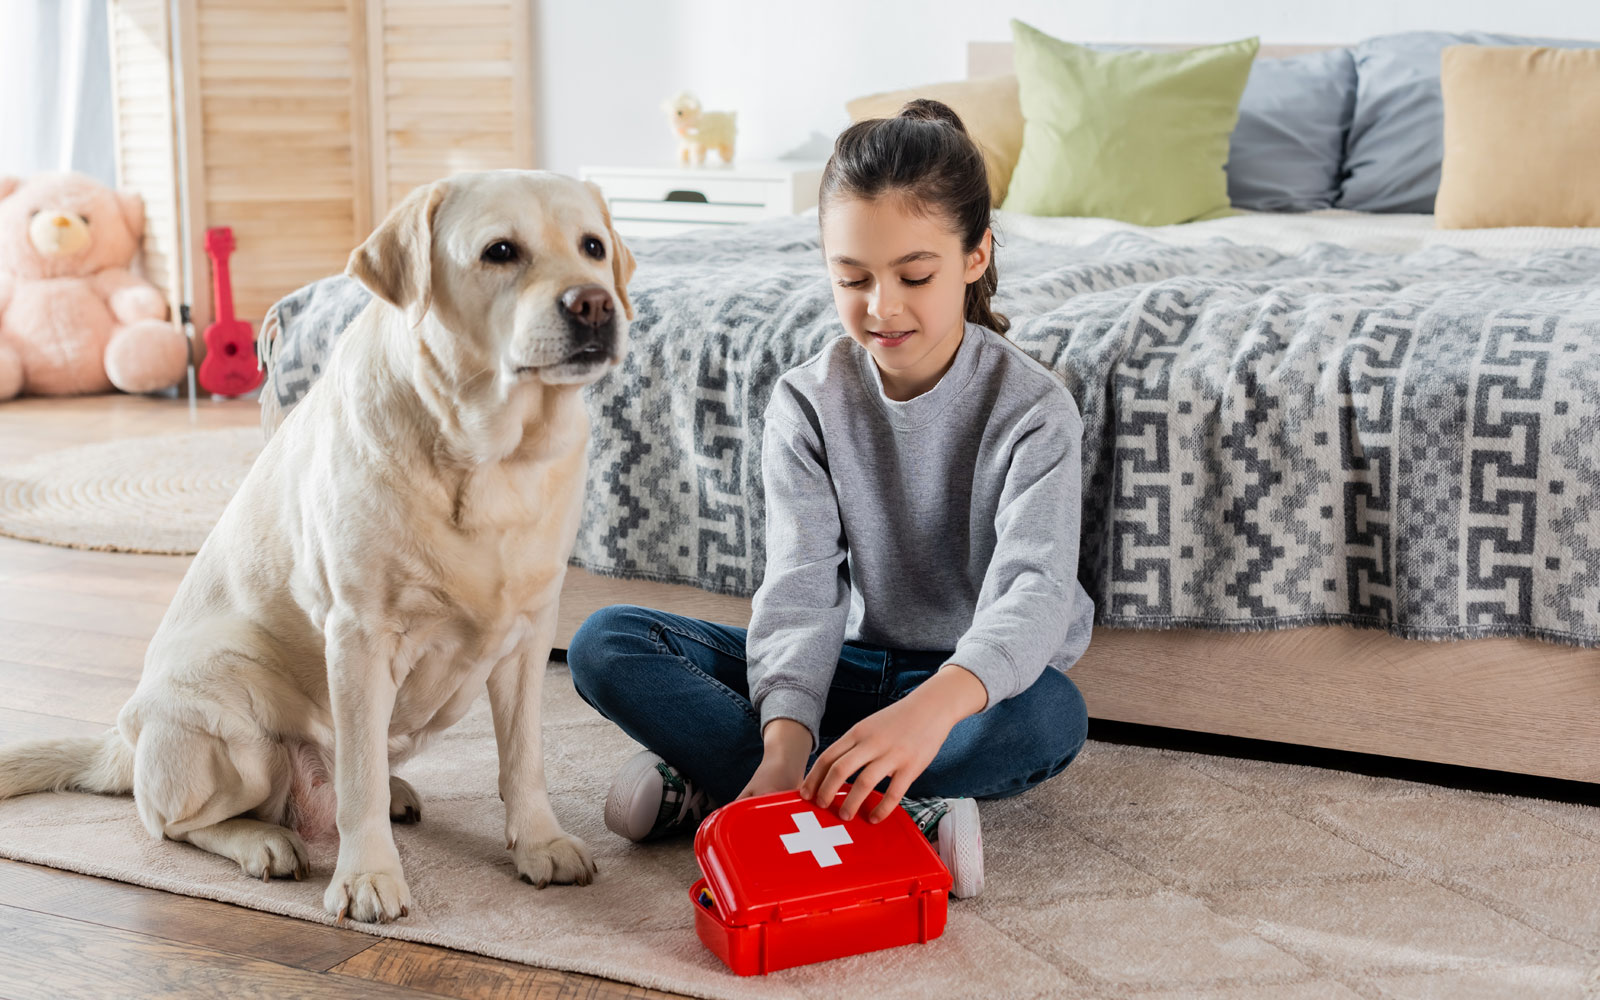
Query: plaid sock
(926, 813)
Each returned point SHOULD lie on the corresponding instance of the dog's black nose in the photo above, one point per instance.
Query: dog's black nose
(589, 305)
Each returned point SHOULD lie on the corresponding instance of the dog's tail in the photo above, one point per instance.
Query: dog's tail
(86, 763)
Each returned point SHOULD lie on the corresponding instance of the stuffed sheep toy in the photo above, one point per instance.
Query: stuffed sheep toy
(699, 131)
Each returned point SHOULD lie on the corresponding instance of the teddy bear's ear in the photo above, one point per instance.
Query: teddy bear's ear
(9, 185)
(132, 205)
(396, 261)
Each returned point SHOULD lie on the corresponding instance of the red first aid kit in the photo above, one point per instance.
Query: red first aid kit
(786, 883)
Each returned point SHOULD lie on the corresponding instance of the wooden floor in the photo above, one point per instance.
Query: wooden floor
(73, 628)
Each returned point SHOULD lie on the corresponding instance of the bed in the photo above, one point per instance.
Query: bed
(1339, 469)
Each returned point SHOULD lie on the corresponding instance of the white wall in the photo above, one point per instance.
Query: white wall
(605, 66)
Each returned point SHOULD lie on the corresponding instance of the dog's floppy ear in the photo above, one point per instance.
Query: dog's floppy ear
(396, 261)
(622, 263)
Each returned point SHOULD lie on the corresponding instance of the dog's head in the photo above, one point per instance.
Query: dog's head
(516, 274)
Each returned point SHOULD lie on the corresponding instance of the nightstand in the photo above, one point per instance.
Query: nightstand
(661, 201)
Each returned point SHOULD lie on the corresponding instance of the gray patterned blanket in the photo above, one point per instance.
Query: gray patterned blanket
(1330, 437)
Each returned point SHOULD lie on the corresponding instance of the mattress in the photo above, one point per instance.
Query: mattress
(1329, 418)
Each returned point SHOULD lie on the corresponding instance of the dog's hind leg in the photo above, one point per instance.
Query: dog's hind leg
(263, 850)
(225, 798)
(404, 805)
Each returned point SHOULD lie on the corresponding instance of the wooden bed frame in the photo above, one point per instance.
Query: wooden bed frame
(1505, 704)
(1517, 705)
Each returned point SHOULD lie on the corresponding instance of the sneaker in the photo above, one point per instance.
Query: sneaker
(952, 825)
(650, 798)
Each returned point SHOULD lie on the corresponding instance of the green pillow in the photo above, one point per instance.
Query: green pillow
(1138, 136)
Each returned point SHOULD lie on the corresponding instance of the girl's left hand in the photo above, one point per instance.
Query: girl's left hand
(896, 742)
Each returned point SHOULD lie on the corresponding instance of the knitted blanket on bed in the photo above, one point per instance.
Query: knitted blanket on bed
(1271, 440)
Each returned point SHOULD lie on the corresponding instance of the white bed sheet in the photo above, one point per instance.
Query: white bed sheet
(1293, 232)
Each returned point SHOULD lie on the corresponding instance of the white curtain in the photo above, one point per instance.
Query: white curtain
(55, 88)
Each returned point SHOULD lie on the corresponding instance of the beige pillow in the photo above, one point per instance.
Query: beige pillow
(1521, 137)
(988, 108)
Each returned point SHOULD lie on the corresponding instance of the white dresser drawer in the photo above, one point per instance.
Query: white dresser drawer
(687, 211)
(704, 190)
(662, 201)
(641, 228)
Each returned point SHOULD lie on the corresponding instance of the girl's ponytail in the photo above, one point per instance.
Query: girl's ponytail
(925, 151)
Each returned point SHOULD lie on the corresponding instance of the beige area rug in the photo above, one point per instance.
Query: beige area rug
(159, 494)
(1137, 873)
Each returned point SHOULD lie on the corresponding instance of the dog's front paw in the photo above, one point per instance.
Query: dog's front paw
(370, 897)
(563, 859)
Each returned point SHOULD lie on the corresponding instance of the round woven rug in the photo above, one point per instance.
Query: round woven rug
(159, 494)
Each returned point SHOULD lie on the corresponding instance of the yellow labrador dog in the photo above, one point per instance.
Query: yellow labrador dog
(401, 541)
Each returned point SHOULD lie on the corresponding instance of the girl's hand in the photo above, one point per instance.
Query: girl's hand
(786, 744)
(897, 742)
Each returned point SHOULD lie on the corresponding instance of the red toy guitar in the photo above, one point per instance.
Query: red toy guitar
(230, 367)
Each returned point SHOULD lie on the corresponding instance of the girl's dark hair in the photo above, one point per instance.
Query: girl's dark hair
(925, 152)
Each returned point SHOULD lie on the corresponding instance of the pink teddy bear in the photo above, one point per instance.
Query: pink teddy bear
(73, 318)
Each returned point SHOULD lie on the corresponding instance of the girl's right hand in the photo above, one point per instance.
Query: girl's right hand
(787, 745)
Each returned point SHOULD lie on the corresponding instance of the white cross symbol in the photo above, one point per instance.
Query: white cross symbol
(813, 837)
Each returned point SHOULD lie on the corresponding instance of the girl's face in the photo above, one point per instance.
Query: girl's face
(900, 283)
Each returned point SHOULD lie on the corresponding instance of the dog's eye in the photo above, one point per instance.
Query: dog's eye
(594, 248)
(500, 252)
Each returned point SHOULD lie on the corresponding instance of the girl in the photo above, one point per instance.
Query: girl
(921, 478)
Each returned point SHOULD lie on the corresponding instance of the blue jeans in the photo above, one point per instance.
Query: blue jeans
(678, 686)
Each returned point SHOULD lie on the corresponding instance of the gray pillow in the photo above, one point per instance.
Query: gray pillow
(1396, 144)
(1287, 148)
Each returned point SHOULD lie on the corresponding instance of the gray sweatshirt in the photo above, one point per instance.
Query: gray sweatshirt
(944, 522)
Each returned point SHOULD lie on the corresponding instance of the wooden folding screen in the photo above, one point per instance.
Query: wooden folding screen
(304, 121)
(142, 92)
